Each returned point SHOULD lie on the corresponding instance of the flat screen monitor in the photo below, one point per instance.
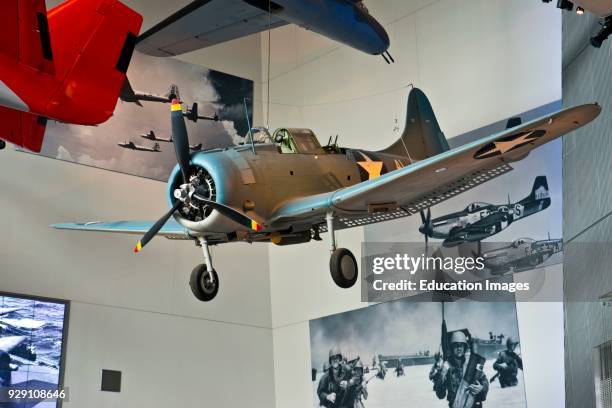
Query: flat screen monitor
(32, 347)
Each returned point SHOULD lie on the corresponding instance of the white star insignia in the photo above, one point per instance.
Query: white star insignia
(503, 147)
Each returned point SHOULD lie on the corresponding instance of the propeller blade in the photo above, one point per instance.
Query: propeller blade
(180, 138)
(231, 213)
(156, 227)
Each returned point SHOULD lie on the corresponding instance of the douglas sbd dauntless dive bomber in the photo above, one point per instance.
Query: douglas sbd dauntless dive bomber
(289, 189)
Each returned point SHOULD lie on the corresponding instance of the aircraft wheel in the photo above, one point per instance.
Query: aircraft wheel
(2, 144)
(343, 268)
(203, 287)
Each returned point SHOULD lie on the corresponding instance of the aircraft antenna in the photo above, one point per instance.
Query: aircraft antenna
(269, 60)
(246, 112)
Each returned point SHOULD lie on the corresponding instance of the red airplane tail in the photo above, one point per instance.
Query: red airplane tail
(67, 64)
(92, 43)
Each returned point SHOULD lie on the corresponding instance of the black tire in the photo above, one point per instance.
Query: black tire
(2, 144)
(343, 268)
(200, 283)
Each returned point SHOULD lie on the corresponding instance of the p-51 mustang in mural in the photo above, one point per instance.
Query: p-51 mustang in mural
(133, 146)
(522, 254)
(482, 220)
(291, 189)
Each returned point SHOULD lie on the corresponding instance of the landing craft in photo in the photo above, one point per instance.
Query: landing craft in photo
(290, 189)
(482, 220)
(133, 146)
(522, 254)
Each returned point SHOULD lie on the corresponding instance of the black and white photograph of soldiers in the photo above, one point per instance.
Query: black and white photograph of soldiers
(459, 354)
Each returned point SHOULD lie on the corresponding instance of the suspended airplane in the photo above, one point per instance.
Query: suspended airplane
(522, 254)
(290, 189)
(151, 136)
(482, 220)
(203, 23)
(67, 64)
(132, 146)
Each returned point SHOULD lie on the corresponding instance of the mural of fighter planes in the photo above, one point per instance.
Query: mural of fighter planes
(522, 254)
(291, 189)
(68, 64)
(482, 220)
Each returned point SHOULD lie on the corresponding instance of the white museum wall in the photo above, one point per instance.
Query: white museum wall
(133, 312)
(479, 61)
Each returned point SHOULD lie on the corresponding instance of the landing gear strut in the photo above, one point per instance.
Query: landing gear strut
(204, 281)
(342, 263)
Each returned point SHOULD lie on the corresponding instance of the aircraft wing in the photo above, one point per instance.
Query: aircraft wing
(203, 23)
(171, 230)
(9, 343)
(423, 184)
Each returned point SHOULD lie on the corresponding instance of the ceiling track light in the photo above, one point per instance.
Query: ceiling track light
(565, 5)
(579, 10)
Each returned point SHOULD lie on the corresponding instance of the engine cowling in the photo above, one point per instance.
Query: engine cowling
(210, 172)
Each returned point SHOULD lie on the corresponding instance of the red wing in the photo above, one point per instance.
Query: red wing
(25, 33)
(21, 128)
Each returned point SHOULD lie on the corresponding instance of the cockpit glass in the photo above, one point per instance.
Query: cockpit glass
(261, 135)
(306, 142)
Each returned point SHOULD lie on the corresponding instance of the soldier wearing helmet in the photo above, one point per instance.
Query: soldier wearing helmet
(360, 390)
(333, 385)
(449, 376)
(507, 364)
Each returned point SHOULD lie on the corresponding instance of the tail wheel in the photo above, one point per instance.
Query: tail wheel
(204, 284)
(343, 268)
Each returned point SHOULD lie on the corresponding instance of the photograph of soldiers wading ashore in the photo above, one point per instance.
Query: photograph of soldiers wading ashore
(422, 354)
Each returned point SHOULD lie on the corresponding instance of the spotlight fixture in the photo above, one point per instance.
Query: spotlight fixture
(604, 33)
(579, 10)
(565, 5)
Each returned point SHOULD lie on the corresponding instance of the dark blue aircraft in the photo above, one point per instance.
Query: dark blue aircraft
(203, 23)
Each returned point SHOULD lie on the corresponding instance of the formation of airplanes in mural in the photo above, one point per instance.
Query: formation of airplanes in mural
(291, 189)
(522, 254)
(482, 220)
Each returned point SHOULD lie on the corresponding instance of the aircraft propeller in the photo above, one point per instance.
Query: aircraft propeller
(180, 139)
(427, 223)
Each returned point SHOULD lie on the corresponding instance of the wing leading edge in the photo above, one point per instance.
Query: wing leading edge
(171, 230)
(203, 23)
(428, 182)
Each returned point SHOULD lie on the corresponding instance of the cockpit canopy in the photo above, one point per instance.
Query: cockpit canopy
(476, 206)
(294, 140)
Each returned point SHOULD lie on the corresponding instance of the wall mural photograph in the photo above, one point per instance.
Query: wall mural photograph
(137, 138)
(418, 354)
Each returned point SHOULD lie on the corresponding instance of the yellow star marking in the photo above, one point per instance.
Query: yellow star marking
(398, 164)
(503, 147)
(373, 168)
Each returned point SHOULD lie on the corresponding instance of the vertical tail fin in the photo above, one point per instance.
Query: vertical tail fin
(422, 136)
(92, 42)
(539, 191)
